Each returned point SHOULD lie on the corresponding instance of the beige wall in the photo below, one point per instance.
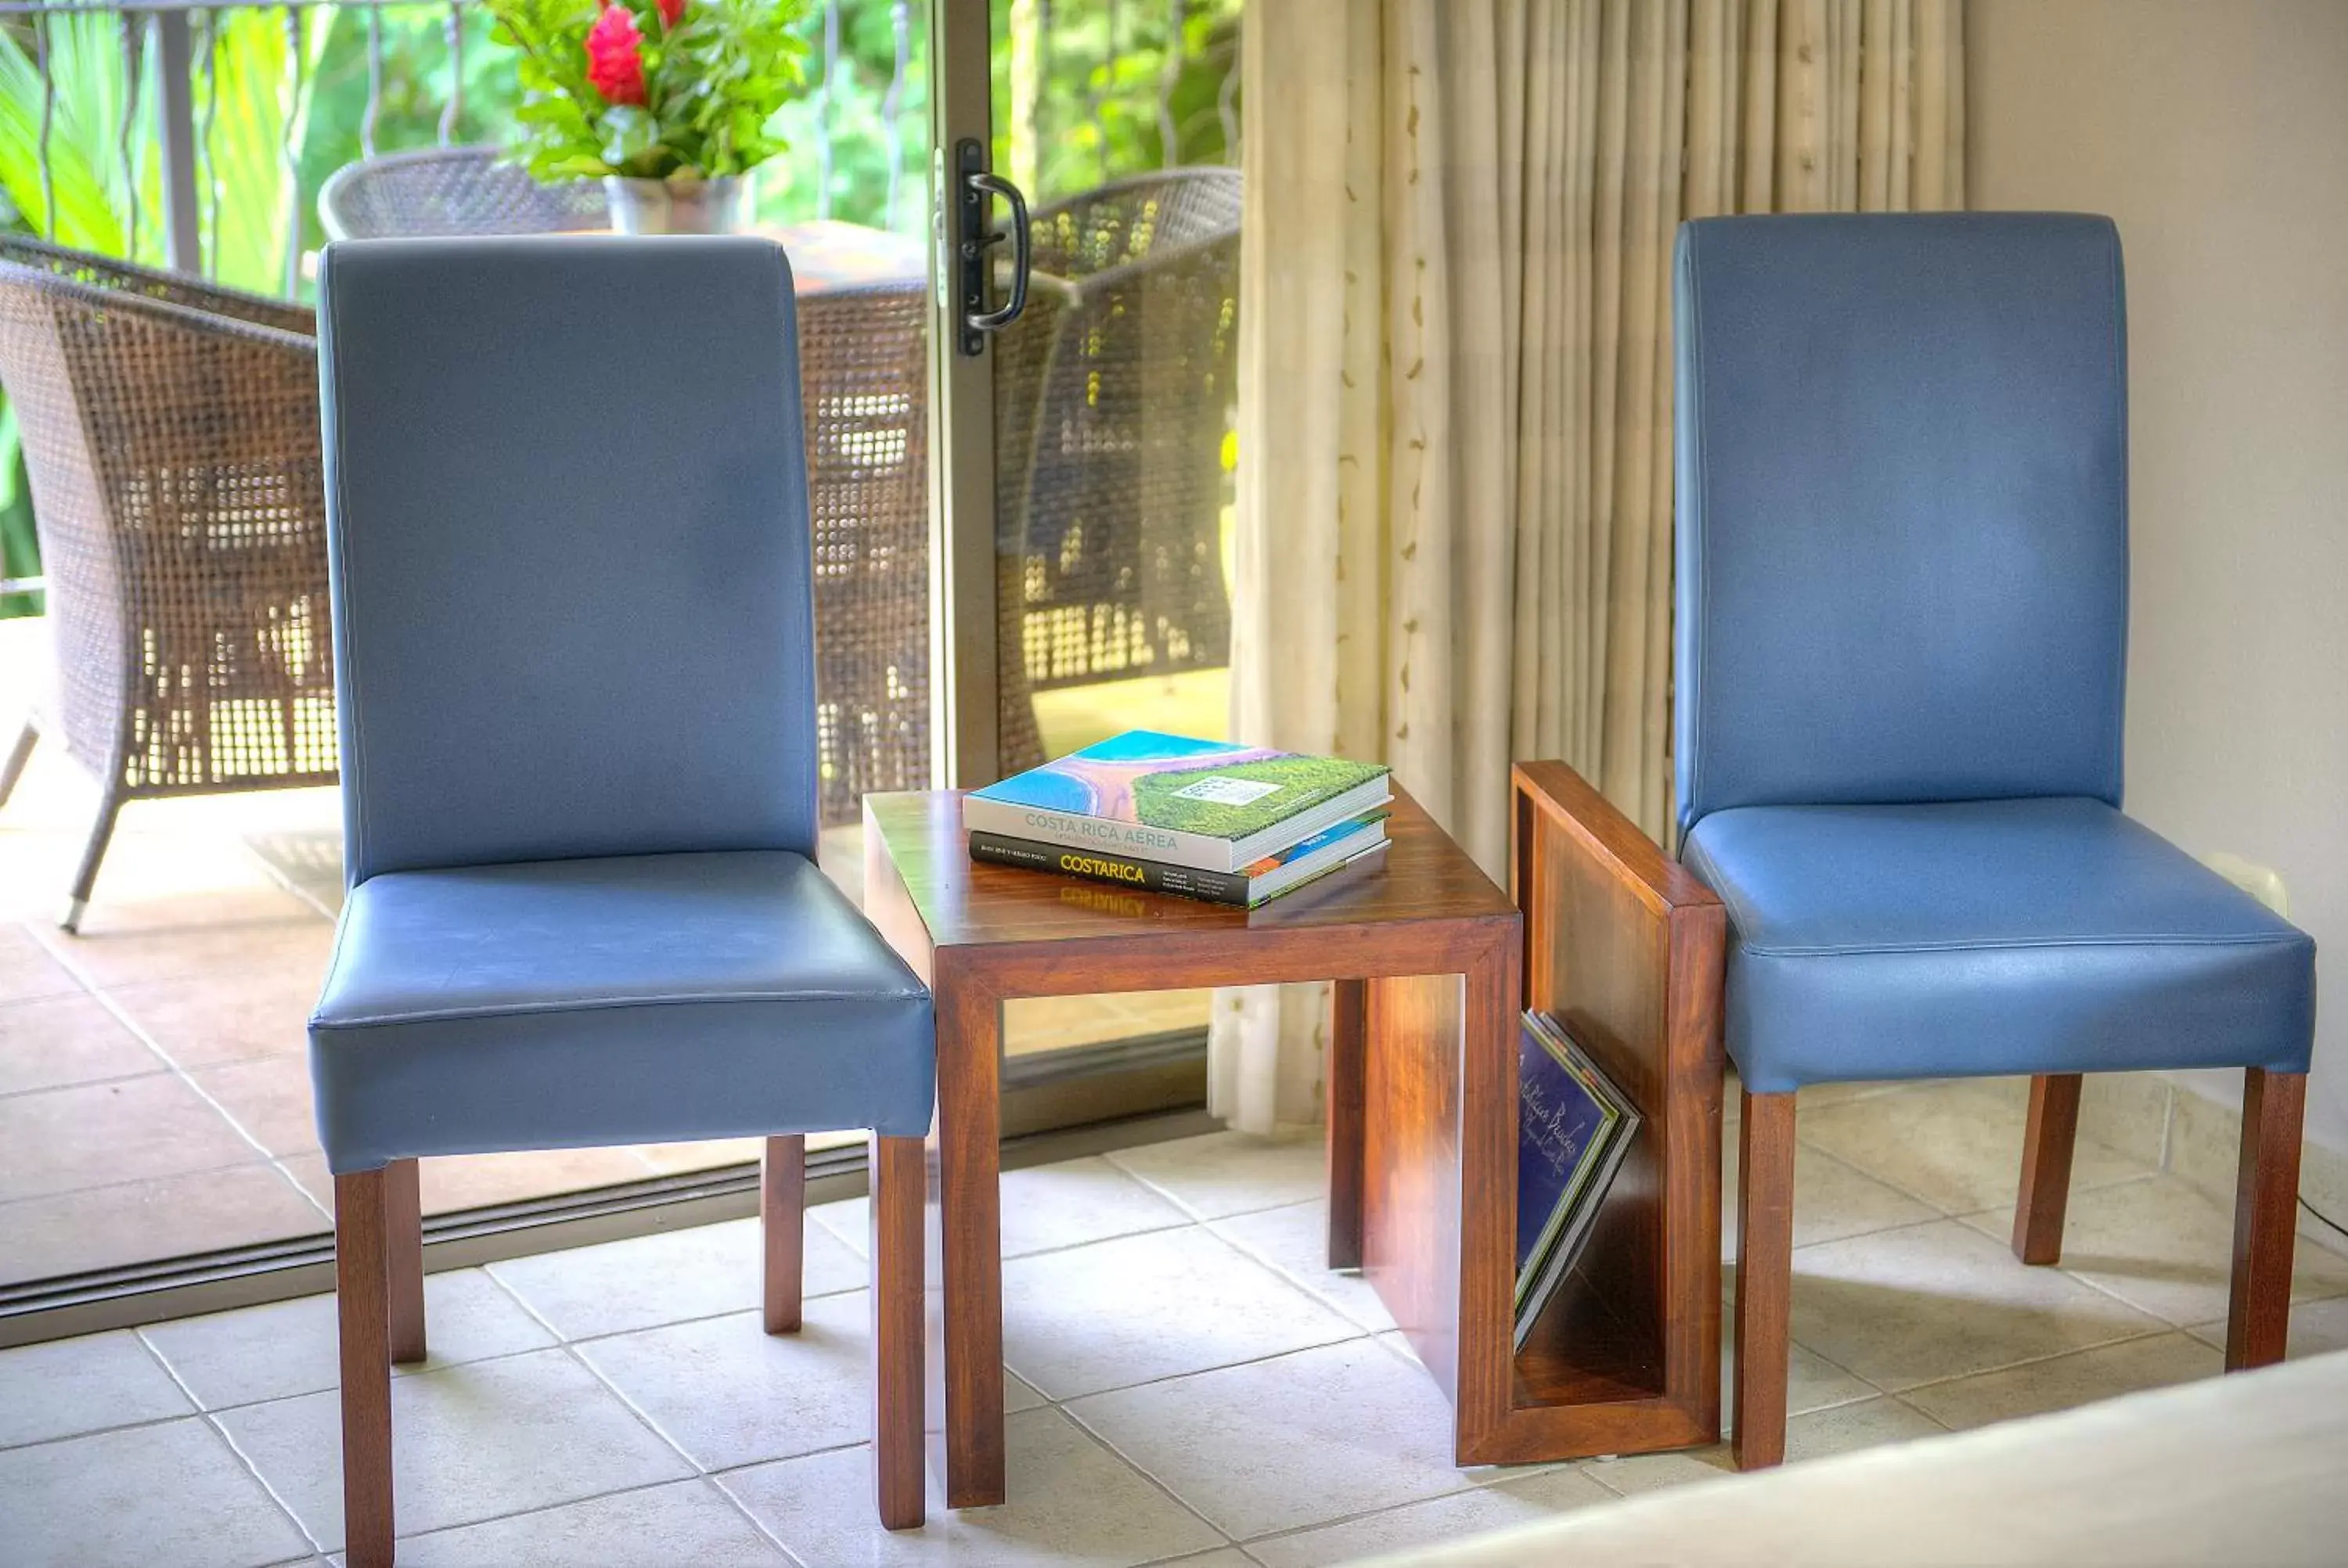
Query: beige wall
(2216, 133)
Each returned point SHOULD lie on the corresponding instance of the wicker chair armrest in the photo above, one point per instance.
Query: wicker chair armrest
(108, 277)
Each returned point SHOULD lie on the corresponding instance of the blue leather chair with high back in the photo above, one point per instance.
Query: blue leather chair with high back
(573, 631)
(1902, 626)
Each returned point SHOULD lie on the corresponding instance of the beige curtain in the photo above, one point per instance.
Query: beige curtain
(1455, 507)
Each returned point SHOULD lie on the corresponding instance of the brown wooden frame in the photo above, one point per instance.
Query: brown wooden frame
(379, 1309)
(1431, 963)
(1625, 948)
(1424, 948)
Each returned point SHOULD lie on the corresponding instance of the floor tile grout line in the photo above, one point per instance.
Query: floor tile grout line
(141, 1181)
(556, 1506)
(1274, 1271)
(742, 1508)
(108, 1430)
(326, 1210)
(1111, 1155)
(2077, 1185)
(1066, 1400)
(1292, 1531)
(515, 1296)
(1298, 1280)
(318, 1546)
(641, 1414)
(2028, 1361)
(122, 1016)
(1101, 1441)
(1937, 1219)
(599, 1337)
(161, 1070)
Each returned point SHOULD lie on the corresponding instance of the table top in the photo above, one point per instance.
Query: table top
(826, 254)
(1423, 877)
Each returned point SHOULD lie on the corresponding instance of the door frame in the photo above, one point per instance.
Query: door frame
(965, 679)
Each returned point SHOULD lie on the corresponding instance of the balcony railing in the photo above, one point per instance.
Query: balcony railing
(196, 135)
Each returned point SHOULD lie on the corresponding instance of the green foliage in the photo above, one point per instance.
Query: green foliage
(255, 110)
(1104, 92)
(20, 552)
(846, 138)
(748, 84)
(418, 89)
(256, 106)
(713, 84)
(1304, 782)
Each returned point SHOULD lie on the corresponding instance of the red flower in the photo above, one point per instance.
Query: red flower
(614, 63)
(671, 11)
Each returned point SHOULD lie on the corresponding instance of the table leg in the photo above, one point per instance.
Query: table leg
(1348, 1031)
(965, 1351)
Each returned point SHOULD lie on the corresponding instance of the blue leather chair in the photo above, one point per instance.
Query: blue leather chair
(568, 521)
(1902, 626)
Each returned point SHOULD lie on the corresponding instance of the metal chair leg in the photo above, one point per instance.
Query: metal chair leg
(100, 832)
(18, 756)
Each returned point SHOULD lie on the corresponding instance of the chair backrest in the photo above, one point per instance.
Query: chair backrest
(1126, 219)
(567, 505)
(452, 190)
(170, 435)
(1903, 497)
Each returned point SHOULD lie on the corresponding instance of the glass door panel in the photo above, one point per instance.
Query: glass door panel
(1112, 402)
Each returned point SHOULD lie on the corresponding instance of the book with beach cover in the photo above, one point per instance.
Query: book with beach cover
(1207, 805)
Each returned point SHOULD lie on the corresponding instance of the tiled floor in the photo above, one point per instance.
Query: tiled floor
(1189, 1384)
(154, 1088)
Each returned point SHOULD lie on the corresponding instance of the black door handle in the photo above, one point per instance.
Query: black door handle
(975, 184)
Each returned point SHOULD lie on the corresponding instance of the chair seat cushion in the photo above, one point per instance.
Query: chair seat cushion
(1991, 936)
(631, 998)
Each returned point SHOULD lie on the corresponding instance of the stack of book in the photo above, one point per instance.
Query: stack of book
(1207, 819)
(1573, 1127)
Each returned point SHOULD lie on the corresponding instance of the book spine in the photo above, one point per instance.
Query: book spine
(1215, 887)
(1116, 840)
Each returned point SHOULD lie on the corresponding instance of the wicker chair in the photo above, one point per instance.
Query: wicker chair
(170, 431)
(1110, 543)
(864, 377)
(451, 190)
(864, 373)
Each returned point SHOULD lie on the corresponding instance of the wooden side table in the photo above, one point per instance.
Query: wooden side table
(1427, 954)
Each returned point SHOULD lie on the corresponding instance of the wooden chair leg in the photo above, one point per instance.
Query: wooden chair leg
(782, 1219)
(899, 1184)
(402, 1207)
(2266, 1218)
(2046, 1144)
(361, 1304)
(1764, 1276)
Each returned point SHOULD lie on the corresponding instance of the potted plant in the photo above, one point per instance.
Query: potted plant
(668, 102)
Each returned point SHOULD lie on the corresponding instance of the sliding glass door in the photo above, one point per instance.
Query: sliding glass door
(1086, 152)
